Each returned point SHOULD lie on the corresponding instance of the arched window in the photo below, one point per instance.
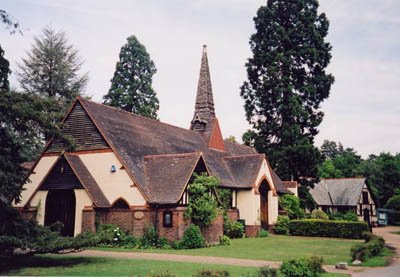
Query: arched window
(167, 218)
(120, 204)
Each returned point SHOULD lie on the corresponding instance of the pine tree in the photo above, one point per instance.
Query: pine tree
(131, 87)
(286, 84)
(52, 69)
(4, 72)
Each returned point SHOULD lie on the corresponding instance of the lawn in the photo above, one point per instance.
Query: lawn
(57, 265)
(272, 248)
(382, 259)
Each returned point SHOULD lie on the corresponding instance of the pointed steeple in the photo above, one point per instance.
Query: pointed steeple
(204, 109)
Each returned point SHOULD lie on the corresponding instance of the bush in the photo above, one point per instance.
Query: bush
(192, 238)
(359, 252)
(316, 264)
(393, 203)
(224, 240)
(282, 225)
(150, 239)
(318, 214)
(327, 228)
(265, 271)
(349, 216)
(212, 273)
(233, 229)
(291, 204)
(367, 236)
(262, 234)
(296, 268)
(110, 235)
(162, 274)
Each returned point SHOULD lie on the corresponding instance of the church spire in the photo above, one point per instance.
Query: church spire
(204, 109)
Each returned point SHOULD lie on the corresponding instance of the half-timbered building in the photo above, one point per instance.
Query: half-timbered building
(134, 171)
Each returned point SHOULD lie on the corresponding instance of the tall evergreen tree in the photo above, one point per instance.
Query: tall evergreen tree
(286, 84)
(131, 87)
(4, 72)
(51, 69)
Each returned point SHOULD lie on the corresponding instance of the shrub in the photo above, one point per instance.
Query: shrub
(282, 225)
(393, 203)
(302, 267)
(359, 252)
(349, 216)
(262, 234)
(162, 274)
(110, 234)
(224, 240)
(296, 268)
(291, 204)
(367, 236)
(233, 229)
(150, 239)
(192, 238)
(318, 214)
(212, 273)
(86, 239)
(265, 271)
(327, 228)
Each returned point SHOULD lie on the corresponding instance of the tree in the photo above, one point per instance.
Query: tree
(4, 72)
(286, 84)
(328, 170)
(11, 23)
(51, 69)
(330, 149)
(131, 87)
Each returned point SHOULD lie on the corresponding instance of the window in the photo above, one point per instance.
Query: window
(120, 204)
(167, 218)
(365, 197)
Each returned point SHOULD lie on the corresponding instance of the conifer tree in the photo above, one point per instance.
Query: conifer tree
(131, 87)
(51, 69)
(286, 84)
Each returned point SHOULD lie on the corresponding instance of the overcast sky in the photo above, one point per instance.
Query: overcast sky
(362, 112)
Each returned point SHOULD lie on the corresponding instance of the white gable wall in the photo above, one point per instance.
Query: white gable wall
(113, 184)
(39, 201)
(82, 200)
(39, 172)
(248, 201)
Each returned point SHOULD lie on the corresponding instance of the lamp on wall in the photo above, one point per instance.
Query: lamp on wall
(113, 168)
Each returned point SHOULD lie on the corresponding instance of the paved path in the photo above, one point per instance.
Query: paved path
(192, 259)
(393, 240)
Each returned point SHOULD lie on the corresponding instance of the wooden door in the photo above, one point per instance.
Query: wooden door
(60, 206)
(264, 204)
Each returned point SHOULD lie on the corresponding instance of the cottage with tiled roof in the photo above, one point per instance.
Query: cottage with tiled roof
(134, 171)
(345, 195)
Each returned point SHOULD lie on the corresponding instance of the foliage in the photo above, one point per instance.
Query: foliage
(150, 239)
(318, 214)
(349, 216)
(327, 228)
(282, 225)
(359, 252)
(162, 274)
(233, 229)
(224, 240)
(266, 271)
(192, 238)
(212, 273)
(291, 204)
(286, 85)
(302, 267)
(11, 23)
(393, 203)
(202, 207)
(4, 72)
(262, 234)
(51, 69)
(328, 170)
(131, 86)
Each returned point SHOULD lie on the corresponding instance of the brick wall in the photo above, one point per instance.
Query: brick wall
(233, 214)
(88, 220)
(252, 230)
(29, 214)
(213, 232)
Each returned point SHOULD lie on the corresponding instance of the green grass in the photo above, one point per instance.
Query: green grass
(56, 265)
(382, 259)
(272, 248)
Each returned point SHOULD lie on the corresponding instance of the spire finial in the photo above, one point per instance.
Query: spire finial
(204, 48)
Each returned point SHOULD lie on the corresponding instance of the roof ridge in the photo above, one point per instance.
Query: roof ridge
(344, 178)
(243, 156)
(177, 154)
(136, 115)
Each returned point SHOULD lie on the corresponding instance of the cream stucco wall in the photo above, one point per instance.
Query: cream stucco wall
(294, 190)
(113, 184)
(82, 200)
(248, 201)
(39, 201)
(39, 172)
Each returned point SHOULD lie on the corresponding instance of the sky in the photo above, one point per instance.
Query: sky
(363, 110)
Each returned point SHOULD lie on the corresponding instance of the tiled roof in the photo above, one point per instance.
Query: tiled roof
(338, 192)
(134, 137)
(87, 180)
(245, 168)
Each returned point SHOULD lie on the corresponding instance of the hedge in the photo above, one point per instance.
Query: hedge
(327, 228)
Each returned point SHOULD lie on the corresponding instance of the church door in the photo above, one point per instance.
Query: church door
(263, 189)
(60, 206)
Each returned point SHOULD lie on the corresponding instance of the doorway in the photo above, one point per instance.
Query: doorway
(263, 190)
(60, 206)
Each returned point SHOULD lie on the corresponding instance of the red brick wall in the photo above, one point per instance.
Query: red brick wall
(233, 214)
(88, 220)
(213, 232)
(252, 230)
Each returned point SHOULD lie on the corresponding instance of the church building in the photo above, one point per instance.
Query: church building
(134, 172)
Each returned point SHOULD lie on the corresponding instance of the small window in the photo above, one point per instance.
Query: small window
(365, 197)
(167, 219)
(120, 204)
(233, 199)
